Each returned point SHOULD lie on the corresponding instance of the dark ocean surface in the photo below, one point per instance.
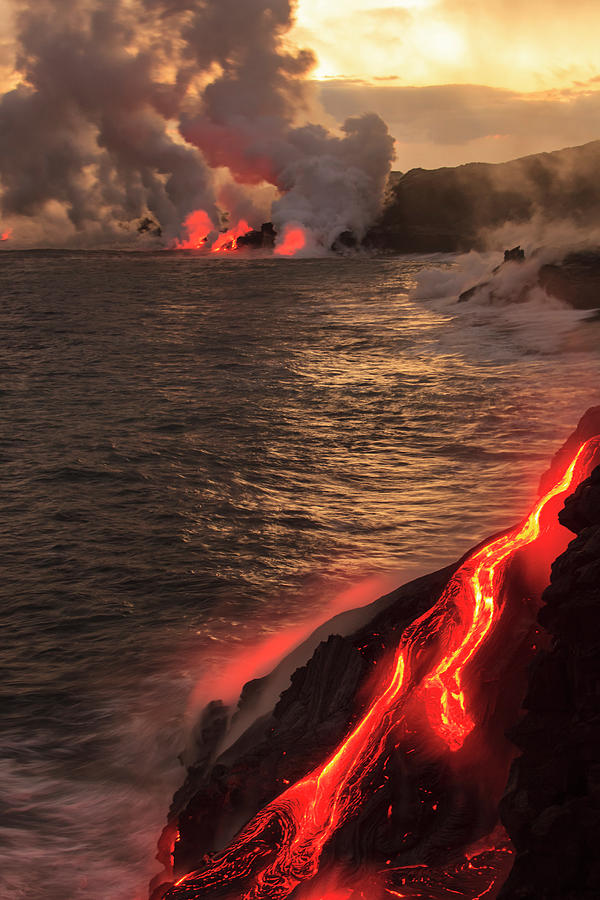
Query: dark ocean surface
(197, 454)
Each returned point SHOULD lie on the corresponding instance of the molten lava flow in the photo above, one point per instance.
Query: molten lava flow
(292, 241)
(198, 226)
(6, 235)
(228, 240)
(282, 845)
(478, 604)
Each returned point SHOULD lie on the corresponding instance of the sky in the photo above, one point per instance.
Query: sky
(461, 80)
(456, 80)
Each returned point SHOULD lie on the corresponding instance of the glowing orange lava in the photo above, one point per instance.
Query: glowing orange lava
(198, 226)
(292, 241)
(477, 603)
(281, 846)
(6, 235)
(228, 240)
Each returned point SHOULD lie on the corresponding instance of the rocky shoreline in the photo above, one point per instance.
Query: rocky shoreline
(231, 778)
(451, 210)
(573, 278)
(551, 808)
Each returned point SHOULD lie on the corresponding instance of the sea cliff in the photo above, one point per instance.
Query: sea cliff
(451, 209)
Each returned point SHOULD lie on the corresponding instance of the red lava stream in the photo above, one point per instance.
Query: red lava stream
(281, 846)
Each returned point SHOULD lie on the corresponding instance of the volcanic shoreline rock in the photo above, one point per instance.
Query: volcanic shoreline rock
(258, 240)
(552, 806)
(447, 210)
(574, 278)
(427, 806)
(419, 808)
(225, 787)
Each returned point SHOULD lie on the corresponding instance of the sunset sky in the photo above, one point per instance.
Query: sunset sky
(456, 80)
(461, 80)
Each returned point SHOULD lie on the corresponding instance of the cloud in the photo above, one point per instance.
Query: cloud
(504, 43)
(452, 124)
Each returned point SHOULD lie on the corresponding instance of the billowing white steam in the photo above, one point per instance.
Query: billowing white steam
(129, 108)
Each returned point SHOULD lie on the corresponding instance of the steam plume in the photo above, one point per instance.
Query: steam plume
(161, 108)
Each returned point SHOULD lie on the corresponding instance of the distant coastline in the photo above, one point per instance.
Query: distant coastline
(453, 210)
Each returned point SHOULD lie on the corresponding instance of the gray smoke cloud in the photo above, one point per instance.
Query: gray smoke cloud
(133, 108)
(88, 127)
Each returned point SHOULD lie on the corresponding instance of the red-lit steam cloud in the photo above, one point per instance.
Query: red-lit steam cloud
(195, 229)
(152, 108)
(228, 239)
(292, 240)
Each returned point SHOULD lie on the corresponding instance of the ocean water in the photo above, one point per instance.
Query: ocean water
(201, 455)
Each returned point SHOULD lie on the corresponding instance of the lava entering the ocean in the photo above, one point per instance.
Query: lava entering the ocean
(198, 226)
(201, 233)
(293, 240)
(279, 851)
(228, 240)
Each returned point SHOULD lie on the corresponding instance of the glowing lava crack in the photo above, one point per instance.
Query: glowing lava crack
(281, 847)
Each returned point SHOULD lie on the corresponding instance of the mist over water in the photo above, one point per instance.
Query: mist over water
(198, 453)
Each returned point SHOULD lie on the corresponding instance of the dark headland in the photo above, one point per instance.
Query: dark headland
(550, 807)
(457, 209)
(449, 210)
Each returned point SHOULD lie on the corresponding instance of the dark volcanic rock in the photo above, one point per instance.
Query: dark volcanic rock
(574, 279)
(424, 805)
(448, 209)
(516, 254)
(347, 240)
(307, 722)
(399, 820)
(256, 240)
(552, 805)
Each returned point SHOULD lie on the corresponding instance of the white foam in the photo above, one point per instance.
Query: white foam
(511, 314)
(89, 832)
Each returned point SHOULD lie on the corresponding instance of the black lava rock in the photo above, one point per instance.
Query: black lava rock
(551, 808)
